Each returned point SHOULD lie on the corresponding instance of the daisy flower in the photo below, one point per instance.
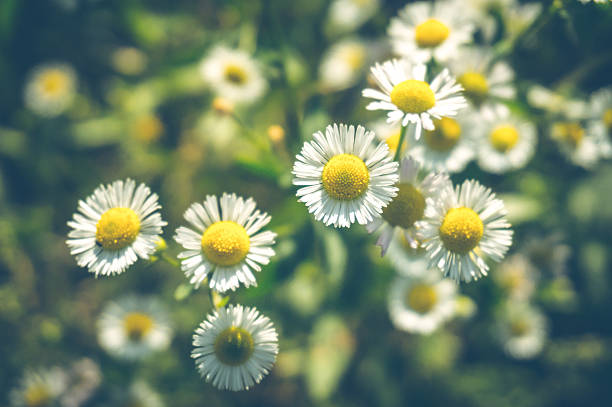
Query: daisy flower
(463, 225)
(233, 75)
(115, 226)
(405, 259)
(345, 177)
(504, 142)
(513, 15)
(600, 119)
(408, 207)
(41, 387)
(421, 302)
(516, 276)
(390, 134)
(343, 64)
(347, 15)
(140, 393)
(522, 330)
(50, 89)
(134, 327)
(409, 98)
(425, 30)
(235, 347)
(227, 245)
(580, 146)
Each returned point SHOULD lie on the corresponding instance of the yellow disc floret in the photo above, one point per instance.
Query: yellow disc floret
(504, 137)
(117, 228)
(37, 395)
(461, 230)
(519, 327)
(54, 81)
(406, 208)
(421, 298)
(475, 86)
(345, 177)
(235, 74)
(571, 133)
(137, 325)
(431, 33)
(607, 119)
(413, 96)
(225, 243)
(445, 135)
(234, 346)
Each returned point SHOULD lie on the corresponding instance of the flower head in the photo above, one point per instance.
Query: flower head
(50, 89)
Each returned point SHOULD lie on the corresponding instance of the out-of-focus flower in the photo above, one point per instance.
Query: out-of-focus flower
(235, 347)
(139, 394)
(548, 253)
(409, 98)
(405, 259)
(343, 64)
(463, 225)
(40, 387)
(115, 226)
(50, 89)
(129, 60)
(85, 377)
(600, 119)
(226, 245)
(390, 134)
(344, 177)
(578, 145)
(516, 276)
(348, 15)
(276, 133)
(556, 103)
(521, 329)
(514, 16)
(147, 128)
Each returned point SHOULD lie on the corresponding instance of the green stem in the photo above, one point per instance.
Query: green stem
(398, 152)
(170, 260)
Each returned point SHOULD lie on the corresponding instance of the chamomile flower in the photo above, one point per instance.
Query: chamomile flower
(425, 30)
(405, 259)
(409, 98)
(348, 15)
(344, 177)
(235, 347)
(516, 276)
(504, 142)
(521, 330)
(50, 89)
(463, 225)
(421, 302)
(233, 75)
(115, 226)
(224, 243)
(579, 145)
(41, 387)
(343, 64)
(408, 206)
(134, 327)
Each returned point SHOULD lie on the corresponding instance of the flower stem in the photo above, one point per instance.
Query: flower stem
(398, 152)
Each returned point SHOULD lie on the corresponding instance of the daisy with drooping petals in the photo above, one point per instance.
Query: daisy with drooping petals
(235, 347)
(409, 98)
(345, 177)
(41, 387)
(464, 224)
(408, 206)
(50, 89)
(521, 329)
(115, 226)
(425, 30)
(226, 245)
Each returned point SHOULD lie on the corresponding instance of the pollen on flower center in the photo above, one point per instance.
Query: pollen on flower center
(137, 325)
(475, 86)
(461, 230)
(345, 177)
(519, 327)
(571, 133)
(607, 119)
(235, 74)
(406, 208)
(234, 346)
(37, 395)
(225, 243)
(431, 33)
(445, 135)
(117, 228)
(53, 81)
(504, 137)
(421, 298)
(413, 96)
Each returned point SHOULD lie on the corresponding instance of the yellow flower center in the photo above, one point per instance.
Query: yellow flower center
(607, 119)
(571, 133)
(393, 141)
(147, 128)
(431, 33)
(54, 81)
(234, 346)
(444, 136)
(421, 298)
(519, 327)
(225, 243)
(355, 56)
(117, 228)
(137, 325)
(475, 86)
(504, 137)
(345, 177)
(461, 230)
(413, 96)
(235, 74)
(37, 395)
(406, 208)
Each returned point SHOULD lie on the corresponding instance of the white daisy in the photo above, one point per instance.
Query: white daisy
(41, 387)
(114, 226)
(427, 30)
(134, 327)
(464, 224)
(580, 146)
(233, 75)
(522, 330)
(504, 142)
(405, 259)
(235, 347)
(408, 207)
(348, 15)
(226, 245)
(141, 393)
(556, 103)
(50, 89)
(513, 15)
(516, 276)
(409, 98)
(600, 119)
(343, 64)
(421, 302)
(344, 176)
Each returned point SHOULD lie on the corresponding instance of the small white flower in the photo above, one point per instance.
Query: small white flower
(513, 15)
(556, 103)
(134, 327)
(600, 120)
(141, 393)
(235, 347)
(516, 276)
(343, 64)
(226, 245)
(115, 226)
(409, 98)
(522, 330)
(345, 177)
(41, 387)
(464, 224)
(582, 146)
(408, 207)
(50, 89)
(348, 15)
(405, 259)
(427, 30)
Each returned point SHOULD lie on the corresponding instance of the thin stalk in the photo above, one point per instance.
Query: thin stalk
(398, 152)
